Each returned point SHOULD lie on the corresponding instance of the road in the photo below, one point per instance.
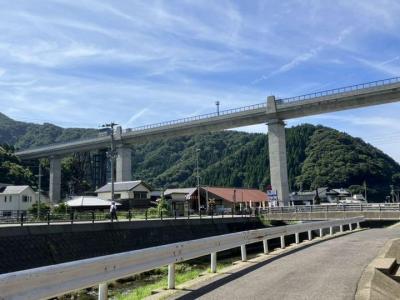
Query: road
(327, 270)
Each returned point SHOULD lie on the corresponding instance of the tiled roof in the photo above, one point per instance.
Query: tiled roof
(180, 191)
(241, 195)
(14, 189)
(119, 186)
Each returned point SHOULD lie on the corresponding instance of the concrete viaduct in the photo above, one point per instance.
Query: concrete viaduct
(273, 112)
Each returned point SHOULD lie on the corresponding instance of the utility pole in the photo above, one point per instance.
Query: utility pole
(40, 189)
(112, 154)
(198, 178)
(365, 190)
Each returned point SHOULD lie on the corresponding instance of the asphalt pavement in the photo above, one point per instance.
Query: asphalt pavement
(329, 269)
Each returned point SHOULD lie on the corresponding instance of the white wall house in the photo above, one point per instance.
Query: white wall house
(17, 197)
(129, 193)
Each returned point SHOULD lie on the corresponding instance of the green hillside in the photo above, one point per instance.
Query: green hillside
(317, 156)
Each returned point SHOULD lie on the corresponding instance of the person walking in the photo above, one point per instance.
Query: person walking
(113, 211)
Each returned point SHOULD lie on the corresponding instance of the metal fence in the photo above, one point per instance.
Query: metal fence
(395, 207)
(73, 217)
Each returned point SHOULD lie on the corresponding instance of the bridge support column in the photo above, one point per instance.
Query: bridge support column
(351, 227)
(243, 252)
(277, 159)
(358, 225)
(309, 235)
(103, 291)
(297, 237)
(283, 245)
(331, 230)
(171, 276)
(265, 246)
(124, 164)
(321, 232)
(213, 262)
(341, 228)
(55, 180)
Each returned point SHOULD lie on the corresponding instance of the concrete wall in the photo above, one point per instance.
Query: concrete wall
(313, 216)
(35, 246)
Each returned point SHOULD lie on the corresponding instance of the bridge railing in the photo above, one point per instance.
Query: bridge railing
(55, 280)
(394, 207)
(342, 90)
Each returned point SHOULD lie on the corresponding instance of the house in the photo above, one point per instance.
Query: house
(325, 195)
(131, 194)
(82, 203)
(217, 198)
(16, 198)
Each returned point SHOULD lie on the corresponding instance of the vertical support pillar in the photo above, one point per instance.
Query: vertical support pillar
(171, 276)
(124, 164)
(331, 230)
(341, 228)
(283, 245)
(321, 232)
(309, 235)
(297, 237)
(265, 246)
(243, 252)
(55, 180)
(351, 226)
(103, 291)
(277, 155)
(213, 262)
(358, 225)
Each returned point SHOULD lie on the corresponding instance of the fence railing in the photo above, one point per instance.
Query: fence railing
(55, 280)
(395, 207)
(76, 217)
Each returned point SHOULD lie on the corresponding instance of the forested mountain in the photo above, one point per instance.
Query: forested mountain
(317, 156)
(23, 135)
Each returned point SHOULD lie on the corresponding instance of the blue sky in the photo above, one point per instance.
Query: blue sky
(83, 63)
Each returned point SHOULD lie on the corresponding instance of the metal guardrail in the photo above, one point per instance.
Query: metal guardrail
(395, 207)
(338, 91)
(55, 280)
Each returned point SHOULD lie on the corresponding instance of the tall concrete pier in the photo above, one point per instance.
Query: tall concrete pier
(55, 180)
(124, 164)
(277, 155)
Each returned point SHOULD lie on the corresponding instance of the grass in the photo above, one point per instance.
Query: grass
(183, 272)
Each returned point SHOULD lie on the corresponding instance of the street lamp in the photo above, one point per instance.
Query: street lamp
(198, 178)
(112, 154)
(217, 104)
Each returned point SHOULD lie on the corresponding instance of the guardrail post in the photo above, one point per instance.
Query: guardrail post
(321, 233)
(129, 215)
(92, 216)
(171, 276)
(72, 217)
(309, 235)
(265, 246)
(297, 237)
(103, 291)
(48, 218)
(341, 228)
(243, 252)
(145, 214)
(331, 230)
(351, 226)
(161, 215)
(175, 214)
(22, 219)
(283, 245)
(213, 262)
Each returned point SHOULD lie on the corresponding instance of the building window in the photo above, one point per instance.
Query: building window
(117, 196)
(25, 198)
(140, 195)
(5, 198)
